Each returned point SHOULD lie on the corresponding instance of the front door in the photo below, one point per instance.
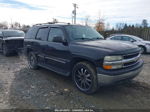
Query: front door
(57, 54)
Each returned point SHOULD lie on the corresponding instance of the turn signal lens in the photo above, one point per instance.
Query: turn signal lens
(107, 67)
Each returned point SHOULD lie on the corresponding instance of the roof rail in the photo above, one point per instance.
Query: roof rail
(52, 23)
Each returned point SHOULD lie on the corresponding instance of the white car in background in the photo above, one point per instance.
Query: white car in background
(144, 45)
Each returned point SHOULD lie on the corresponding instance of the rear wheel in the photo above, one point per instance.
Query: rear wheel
(85, 77)
(32, 60)
(5, 50)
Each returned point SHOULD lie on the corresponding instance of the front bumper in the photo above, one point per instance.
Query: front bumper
(114, 77)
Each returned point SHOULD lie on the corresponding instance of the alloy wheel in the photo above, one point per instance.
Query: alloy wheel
(83, 79)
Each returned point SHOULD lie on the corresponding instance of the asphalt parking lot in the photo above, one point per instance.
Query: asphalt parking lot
(23, 88)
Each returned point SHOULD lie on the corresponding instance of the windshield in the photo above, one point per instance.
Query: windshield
(137, 38)
(82, 33)
(13, 33)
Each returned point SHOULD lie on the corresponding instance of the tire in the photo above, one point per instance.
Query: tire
(143, 49)
(5, 50)
(32, 61)
(85, 78)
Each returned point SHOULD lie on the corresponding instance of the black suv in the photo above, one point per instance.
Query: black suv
(81, 52)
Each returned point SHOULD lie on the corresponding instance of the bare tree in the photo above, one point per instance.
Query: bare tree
(100, 25)
(120, 26)
(25, 28)
(4, 25)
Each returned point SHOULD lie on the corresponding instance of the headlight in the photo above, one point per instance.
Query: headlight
(108, 62)
(113, 58)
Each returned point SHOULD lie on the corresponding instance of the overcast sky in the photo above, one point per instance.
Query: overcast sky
(39, 11)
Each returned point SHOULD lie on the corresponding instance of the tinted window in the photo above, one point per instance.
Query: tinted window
(55, 32)
(126, 38)
(1, 35)
(31, 32)
(16, 33)
(116, 38)
(42, 34)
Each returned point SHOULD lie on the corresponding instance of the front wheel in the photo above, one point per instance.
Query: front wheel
(85, 77)
(32, 60)
(143, 50)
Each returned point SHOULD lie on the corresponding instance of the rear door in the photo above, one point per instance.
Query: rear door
(40, 43)
(57, 54)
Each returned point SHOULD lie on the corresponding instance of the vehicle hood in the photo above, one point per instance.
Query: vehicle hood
(13, 38)
(108, 44)
(98, 49)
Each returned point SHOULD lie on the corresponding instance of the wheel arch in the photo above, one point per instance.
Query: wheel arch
(81, 59)
(28, 50)
(143, 47)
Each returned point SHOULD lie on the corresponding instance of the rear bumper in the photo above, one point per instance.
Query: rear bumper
(114, 77)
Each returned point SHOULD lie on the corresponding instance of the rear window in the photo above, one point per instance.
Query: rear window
(13, 33)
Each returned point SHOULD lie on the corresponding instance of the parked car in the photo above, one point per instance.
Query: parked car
(81, 52)
(11, 41)
(144, 45)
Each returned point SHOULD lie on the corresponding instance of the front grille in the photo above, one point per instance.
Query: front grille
(131, 55)
(15, 43)
(133, 59)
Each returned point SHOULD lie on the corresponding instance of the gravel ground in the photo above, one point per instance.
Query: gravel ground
(23, 88)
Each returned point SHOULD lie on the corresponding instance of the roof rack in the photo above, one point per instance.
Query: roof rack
(52, 23)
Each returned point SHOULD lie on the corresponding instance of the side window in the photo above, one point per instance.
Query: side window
(1, 35)
(116, 38)
(42, 34)
(125, 38)
(31, 33)
(54, 32)
(131, 39)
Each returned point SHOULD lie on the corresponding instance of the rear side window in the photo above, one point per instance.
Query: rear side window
(126, 38)
(42, 34)
(55, 32)
(31, 33)
(116, 38)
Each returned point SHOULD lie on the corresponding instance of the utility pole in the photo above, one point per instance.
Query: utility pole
(74, 12)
